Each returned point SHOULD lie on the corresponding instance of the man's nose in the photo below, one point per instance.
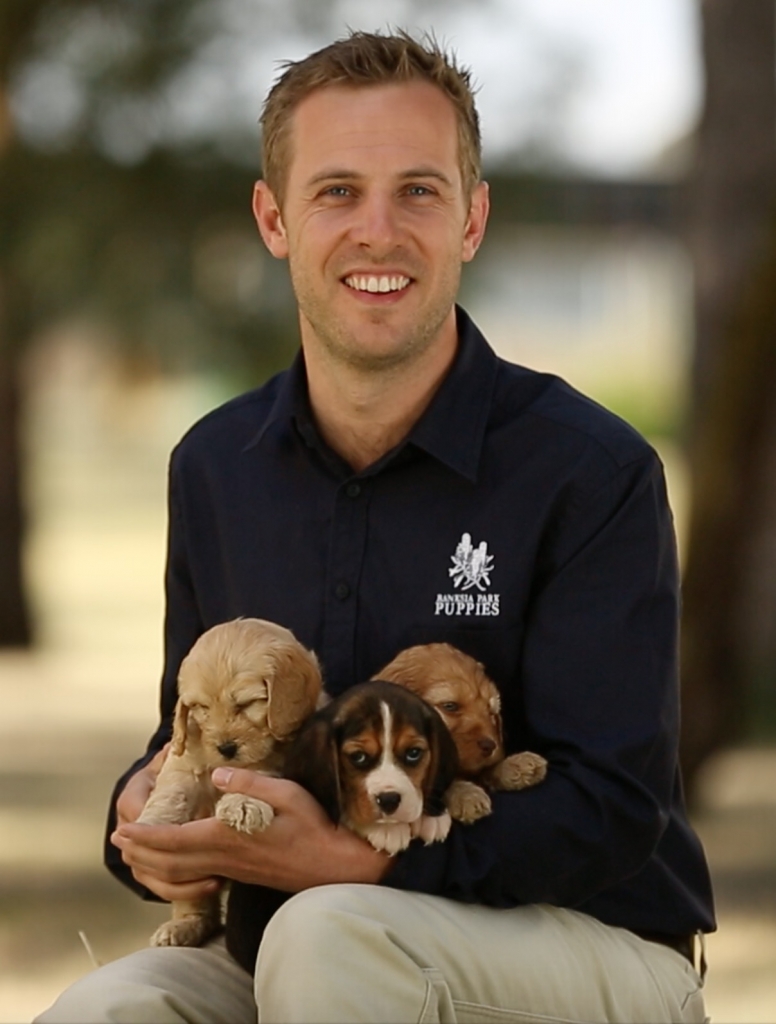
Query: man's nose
(378, 223)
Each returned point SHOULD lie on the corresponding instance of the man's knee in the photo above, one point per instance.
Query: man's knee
(310, 916)
(159, 986)
(96, 999)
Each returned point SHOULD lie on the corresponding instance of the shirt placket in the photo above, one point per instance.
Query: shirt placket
(344, 570)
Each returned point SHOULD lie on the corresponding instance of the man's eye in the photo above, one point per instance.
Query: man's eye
(337, 191)
(419, 190)
(450, 706)
(413, 755)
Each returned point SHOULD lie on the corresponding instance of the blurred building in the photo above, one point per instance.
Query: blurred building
(590, 279)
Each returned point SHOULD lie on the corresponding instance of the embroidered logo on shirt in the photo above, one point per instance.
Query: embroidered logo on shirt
(471, 570)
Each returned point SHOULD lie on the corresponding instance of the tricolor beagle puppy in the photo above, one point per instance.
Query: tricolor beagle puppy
(378, 759)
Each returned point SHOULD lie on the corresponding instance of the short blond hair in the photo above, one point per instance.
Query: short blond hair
(364, 59)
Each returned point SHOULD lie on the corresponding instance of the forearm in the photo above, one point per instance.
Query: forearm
(555, 844)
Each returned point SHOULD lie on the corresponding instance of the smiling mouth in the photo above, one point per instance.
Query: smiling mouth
(377, 284)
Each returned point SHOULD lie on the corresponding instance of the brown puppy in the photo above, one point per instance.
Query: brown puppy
(243, 691)
(379, 760)
(470, 705)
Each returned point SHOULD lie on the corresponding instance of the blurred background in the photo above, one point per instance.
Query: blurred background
(631, 150)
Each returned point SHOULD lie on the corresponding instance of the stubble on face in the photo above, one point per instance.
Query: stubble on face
(391, 347)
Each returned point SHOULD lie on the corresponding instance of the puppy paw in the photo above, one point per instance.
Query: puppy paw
(186, 931)
(166, 807)
(431, 829)
(518, 771)
(244, 813)
(390, 837)
(467, 802)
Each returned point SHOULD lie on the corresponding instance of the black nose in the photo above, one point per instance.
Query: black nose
(228, 749)
(486, 745)
(388, 801)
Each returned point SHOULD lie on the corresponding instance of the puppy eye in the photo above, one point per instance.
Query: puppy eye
(413, 755)
(450, 706)
(359, 758)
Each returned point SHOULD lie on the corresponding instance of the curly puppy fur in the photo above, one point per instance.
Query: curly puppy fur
(244, 690)
(469, 703)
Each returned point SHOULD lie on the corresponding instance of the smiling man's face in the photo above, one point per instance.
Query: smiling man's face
(375, 222)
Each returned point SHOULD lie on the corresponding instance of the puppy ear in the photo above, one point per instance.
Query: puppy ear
(293, 688)
(313, 762)
(443, 767)
(407, 669)
(180, 728)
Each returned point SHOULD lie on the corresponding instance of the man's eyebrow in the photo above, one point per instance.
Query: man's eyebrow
(426, 172)
(333, 174)
(344, 174)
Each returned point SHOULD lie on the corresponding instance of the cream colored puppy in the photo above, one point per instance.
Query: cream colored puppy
(244, 690)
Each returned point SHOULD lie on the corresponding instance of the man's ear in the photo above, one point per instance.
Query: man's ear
(269, 220)
(474, 232)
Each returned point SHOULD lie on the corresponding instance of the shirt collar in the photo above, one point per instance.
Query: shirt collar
(290, 400)
(452, 428)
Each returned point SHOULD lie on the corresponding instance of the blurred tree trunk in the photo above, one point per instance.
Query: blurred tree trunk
(732, 439)
(15, 620)
(15, 628)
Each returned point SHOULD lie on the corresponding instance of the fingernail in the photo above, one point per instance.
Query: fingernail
(221, 776)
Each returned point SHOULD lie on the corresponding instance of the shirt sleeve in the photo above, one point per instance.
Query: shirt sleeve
(182, 627)
(599, 692)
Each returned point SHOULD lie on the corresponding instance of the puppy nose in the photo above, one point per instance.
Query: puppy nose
(228, 749)
(388, 801)
(486, 745)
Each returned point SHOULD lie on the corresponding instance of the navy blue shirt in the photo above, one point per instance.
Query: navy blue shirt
(520, 522)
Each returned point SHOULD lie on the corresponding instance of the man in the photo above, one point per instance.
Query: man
(337, 500)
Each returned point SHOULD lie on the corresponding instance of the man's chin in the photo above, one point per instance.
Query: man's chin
(373, 348)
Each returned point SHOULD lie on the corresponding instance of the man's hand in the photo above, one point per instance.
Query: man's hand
(133, 796)
(130, 803)
(300, 849)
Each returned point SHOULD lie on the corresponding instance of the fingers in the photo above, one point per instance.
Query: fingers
(185, 841)
(162, 859)
(172, 891)
(132, 798)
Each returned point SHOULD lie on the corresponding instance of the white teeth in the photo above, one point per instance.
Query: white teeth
(377, 284)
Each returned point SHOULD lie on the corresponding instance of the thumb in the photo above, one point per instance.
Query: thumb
(221, 777)
(242, 780)
(282, 794)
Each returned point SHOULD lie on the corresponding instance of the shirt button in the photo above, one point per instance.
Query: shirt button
(342, 590)
(353, 490)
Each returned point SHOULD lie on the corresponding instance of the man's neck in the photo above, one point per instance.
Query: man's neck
(362, 416)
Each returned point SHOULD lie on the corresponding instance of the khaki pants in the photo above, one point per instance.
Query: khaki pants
(363, 953)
